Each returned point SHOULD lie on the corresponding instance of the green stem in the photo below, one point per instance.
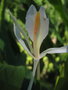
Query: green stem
(33, 75)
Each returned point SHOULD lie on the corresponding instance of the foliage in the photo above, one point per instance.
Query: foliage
(14, 59)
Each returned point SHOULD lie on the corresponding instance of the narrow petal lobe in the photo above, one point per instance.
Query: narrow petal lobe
(19, 38)
(30, 17)
(63, 49)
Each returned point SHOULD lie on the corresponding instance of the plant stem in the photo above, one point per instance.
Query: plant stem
(33, 74)
(38, 71)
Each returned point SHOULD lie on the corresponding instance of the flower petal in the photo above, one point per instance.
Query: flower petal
(63, 49)
(30, 17)
(41, 27)
(44, 26)
(31, 11)
(42, 11)
(19, 38)
(22, 31)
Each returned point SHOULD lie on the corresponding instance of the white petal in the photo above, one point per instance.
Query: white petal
(30, 17)
(63, 49)
(20, 29)
(31, 11)
(44, 26)
(19, 38)
(42, 11)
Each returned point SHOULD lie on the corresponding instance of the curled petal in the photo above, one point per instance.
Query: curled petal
(30, 17)
(20, 30)
(19, 38)
(63, 49)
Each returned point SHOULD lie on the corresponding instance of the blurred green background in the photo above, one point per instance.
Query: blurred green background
(16, 64)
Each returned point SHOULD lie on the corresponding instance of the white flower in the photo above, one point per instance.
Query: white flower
(37, 26)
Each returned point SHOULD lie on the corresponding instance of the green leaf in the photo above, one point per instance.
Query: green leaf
(12, 75)
(39, 2)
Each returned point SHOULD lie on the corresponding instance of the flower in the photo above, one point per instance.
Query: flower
(37, 26)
